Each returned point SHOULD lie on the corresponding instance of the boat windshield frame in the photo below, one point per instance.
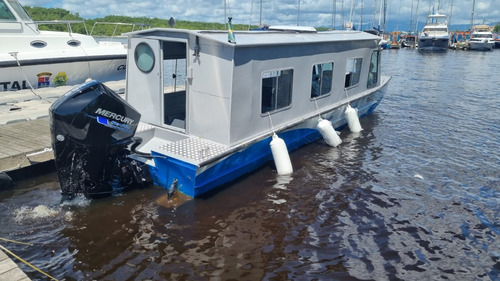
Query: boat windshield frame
(19, 10)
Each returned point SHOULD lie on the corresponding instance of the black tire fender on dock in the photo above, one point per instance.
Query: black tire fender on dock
(5, 180)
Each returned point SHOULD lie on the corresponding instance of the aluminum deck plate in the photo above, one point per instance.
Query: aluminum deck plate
(194, 148)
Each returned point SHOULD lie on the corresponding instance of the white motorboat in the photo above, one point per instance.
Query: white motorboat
(481, 38)
(203, 108)
(29, 56)
(435, 36)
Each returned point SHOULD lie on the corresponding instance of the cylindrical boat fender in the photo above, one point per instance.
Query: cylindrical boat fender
(329, 134)
(280, 156)
(351, 115)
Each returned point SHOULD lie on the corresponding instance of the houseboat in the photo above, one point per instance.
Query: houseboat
(33, 58)
(203, 108)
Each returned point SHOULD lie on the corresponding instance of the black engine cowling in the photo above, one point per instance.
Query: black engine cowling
(91, 129)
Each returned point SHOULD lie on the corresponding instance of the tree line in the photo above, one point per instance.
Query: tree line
(127, 23)
(50, 14)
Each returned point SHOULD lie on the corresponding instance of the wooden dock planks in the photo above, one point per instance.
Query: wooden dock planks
(19, 140)
(9, 271)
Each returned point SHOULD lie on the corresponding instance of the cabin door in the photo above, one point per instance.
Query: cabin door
(174, 83)
(144, 79)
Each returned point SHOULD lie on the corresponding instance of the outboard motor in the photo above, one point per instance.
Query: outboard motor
(91, 129)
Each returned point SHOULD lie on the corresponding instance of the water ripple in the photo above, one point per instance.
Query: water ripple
(414, 196)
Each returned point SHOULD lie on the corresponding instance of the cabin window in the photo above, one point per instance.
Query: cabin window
(374, 69)
(322, 75)
(276, 89)
(144, 57)
(353, 70)
(5, 13)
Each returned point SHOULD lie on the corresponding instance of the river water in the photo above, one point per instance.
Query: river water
(414, 196)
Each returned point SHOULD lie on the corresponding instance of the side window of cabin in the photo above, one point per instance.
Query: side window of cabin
(353, 70)
(322, 76)
(5, 13)
(374, 67)
(276, 89)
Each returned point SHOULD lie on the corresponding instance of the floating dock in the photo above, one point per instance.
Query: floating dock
(9, 271)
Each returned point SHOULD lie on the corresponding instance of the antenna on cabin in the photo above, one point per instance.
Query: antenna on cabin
(171, 22)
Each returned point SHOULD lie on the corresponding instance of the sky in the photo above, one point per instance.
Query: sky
(316, 13)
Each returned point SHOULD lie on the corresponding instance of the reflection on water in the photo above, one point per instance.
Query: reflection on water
(414, 196)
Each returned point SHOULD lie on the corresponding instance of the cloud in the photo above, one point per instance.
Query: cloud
(312, 12)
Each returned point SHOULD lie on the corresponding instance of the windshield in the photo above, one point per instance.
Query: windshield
(20, 10)
(5, 13)
(483, 35)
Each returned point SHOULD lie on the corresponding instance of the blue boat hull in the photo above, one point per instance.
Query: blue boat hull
(197, 180)
(433, 44)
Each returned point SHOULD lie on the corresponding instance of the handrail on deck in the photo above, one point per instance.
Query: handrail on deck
(66, 22)
(116, 24)
(139, 26)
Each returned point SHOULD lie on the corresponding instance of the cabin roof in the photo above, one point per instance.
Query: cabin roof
(255, 38)
(482, 28)
(436, 16)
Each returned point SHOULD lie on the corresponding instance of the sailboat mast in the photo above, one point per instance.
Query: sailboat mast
(260, 19)
(451, 13)
(416, 16)
(411, 17)
(351, 12)
(472, 15)
(385, 12)
(380, 14)
(343, 20)
(361, 17)
(298, 15)
(334, 11)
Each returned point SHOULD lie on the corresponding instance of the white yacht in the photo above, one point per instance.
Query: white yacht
(30, 57)
(435, 36)
(481, 38)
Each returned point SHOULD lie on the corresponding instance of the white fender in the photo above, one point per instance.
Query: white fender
(351, 115)
(280, 155)
(329, 134)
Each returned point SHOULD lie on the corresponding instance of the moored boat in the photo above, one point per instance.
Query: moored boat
(395, 40)
(481, 38)
(225, 108)
(30, 57)
(409, 41)
(435, 36)
(496, 39)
